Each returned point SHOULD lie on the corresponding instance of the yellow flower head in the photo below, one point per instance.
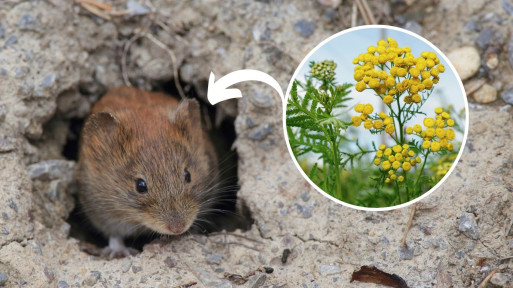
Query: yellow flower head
(385, 165)
(406, 166)
(426, 144)
(368, 109)
(377, 162)
(357, 121)
(390, 128)
(378, 124)
(388, 99)
(409, 130)
(417, 128)
(435, 146)
(382, 147)
(360, 86)
(368, 124)
(450, 122)
(400, 178)
(429, 122)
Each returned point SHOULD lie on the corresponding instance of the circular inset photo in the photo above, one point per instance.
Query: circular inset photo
(376, 117)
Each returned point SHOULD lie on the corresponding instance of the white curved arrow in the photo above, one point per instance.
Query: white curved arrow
(218, 90)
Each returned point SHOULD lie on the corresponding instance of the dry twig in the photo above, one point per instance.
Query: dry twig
(408, 226)
(487, 278)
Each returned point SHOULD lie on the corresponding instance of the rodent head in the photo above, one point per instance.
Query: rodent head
(152, 166)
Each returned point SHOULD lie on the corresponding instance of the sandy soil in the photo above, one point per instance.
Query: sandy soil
(57, 58)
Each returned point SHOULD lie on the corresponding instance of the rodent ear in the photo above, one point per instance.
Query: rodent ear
(187, 117)
(101, 127)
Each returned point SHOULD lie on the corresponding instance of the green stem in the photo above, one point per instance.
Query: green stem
(421, 171)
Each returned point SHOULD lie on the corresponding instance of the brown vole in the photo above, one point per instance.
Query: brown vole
(145, 165)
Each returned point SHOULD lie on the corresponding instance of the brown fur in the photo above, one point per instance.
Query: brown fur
(135, 134)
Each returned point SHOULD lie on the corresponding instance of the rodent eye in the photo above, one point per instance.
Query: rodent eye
(140, 186)
(187, 176)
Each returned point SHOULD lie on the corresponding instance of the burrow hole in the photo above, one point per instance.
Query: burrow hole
(223, 137)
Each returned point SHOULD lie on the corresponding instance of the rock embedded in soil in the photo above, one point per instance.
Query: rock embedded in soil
(406, 253)
(486, 94)
(466, 61)
(507, 96)
(3, 279)
(326, 270)
(484, 38)
(305, 28)
(468, 225)
(257, 281)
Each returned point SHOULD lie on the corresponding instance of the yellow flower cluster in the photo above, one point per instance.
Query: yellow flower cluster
(391, 70)
(394, 158)
(437, 132)
(384, 122)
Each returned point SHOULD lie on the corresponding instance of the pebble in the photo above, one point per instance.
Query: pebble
(305, 196)
(125, 266)
(492, 61)
(63, 284)
(21, 71)
(136, 8)
(136, 269)
(468, 225)
(11, 40)
(215, 259)
(257, 281)
(406, 253)
(170, 262)
(484, 38)
(27, 22)
(48, 81)
(305, 28)
(3, 279)
(486, 94)
(250, 123)
(330, 3)
(471, 26)
(507, 6)
(413, 27)
(507, 96)
(466, 61)
(502, 279)
(6, 145)
(5, 231)
(12, 204)
(2, 30)
(261, 100)
(92, 279)
(326, 270)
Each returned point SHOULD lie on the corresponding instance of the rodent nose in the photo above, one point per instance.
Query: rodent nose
(176, 226)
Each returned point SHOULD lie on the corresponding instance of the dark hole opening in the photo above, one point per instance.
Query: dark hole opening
(228, 218)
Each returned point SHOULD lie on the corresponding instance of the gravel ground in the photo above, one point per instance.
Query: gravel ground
(57, 58)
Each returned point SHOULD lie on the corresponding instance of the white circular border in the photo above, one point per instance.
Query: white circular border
(467, 120)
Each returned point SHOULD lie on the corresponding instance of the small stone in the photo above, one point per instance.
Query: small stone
(170, 262)
(3, 279)
(471, 26)
(21, 71)
(215, 259)
(63, 284)
(486, 94)
(27, 22)
(135, 8)
(2, 30)
(6, 145)
(307, 211)
(125, 265)
(502, 279)
(326, 270)
(5, 216)
(507, 96)
(12, 204)
(468, 225)
(136, 269)
(305, 196)
(330, 3)
(466, 61)
(330, 14)
(47, 81)
(11, 40)
(250, 123)
(305, 28)
(257, 281)
(413, 27)
(492, 61)
(261, 100)
(143, 279)
(92, 278)
(507, 6)
(425, 244)
(406, 253)
(484, 38)
(5, 231)
(49, 274)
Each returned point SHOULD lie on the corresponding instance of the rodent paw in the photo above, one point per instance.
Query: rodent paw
(117, 249)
